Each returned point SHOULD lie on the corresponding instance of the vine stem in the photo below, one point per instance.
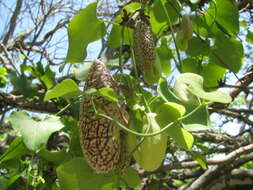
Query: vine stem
(173, 35)
(63, 109)
(148, 134)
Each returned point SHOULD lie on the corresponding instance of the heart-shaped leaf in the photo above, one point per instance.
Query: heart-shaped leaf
(169, 112)
(109, 94)
(67, 88)
(34, 133)
(181, 136)
(83, 29)
(189, 85)
(76, 174)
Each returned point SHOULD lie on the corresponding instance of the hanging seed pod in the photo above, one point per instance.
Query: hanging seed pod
(151, 152)
(144, 44)
(145, 55)
(99, 137)
(187, 27)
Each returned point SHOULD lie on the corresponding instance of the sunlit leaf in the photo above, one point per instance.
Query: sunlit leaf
(67, 88)
(131, 177)
(189, 85)
(227, 52)
(82, 73)
(56, 157)
(249, 37)
(109, 94)
(83, 29)
(196, 127)
(76, 174)
(34, 133)
(15, 150)
(181, 136)
(226, 15)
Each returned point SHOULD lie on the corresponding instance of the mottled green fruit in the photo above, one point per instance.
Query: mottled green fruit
(151, 152)
(100, 139)
(152, 74)
(144, 44)
(145, 55)
(181, 42)
(187, 27)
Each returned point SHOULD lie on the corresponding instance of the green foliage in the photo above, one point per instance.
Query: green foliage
(109, 94)
(196, 57)
(225, 15)
(3, 77)
(83, 29)
(76, 174)
(67, 88)
(22, 83)
(249, 37)
(188, 86)
(82, 73)
(172, 10)
(15, 150)
(165, 56)
(227, 52)
(34, 133)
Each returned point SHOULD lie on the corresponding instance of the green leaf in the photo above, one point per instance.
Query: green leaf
(200, 116)
(200, 159)
(22, 84)
(109, 94)
(3, 77)
(55, 157)
(197, 46)
(131, 177)
(166, 94)
(48, 78)
(249, 37)
(3, 183)
(13, 178)
(74, 144)
(67, 88)
(34, 133)
(212, 74)
(120, 35)
(165, 54)
(82, 73)
(157, 27)
(77, 175)
(169, 112)
(132, 7)
(181, 136)
(188, 84)
(15, 150)
(194, 1)
(83, 29)
(227, 52)
(196, 127)
(191, 65)
(226, 15)
(108, 186)
(172, 8)
(201, 27)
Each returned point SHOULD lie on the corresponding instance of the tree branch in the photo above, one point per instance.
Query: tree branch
(30, 104)
(219, 170)
(13, 22)
(245, 81)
